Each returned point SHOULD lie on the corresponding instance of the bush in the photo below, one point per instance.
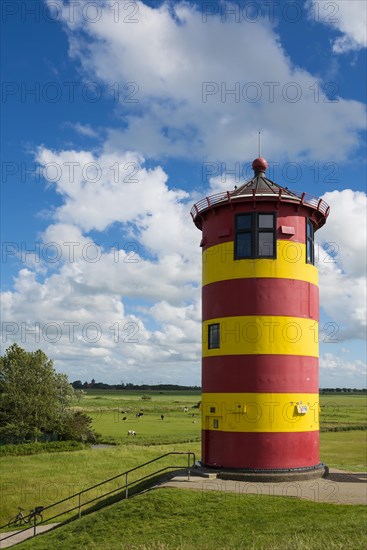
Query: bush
(36, 448)
(77, 427)
(343, 428)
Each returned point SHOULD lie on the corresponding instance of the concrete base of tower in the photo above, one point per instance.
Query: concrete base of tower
(265, 476)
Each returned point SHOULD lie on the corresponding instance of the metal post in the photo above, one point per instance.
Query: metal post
(34, 525)
(79, 507)
(126, 487)
(188, 466)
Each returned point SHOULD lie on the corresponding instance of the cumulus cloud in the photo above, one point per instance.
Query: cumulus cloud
(336, 370)
(116, 187)
(342, 262)
(350, 18)
(199, 95)
(98, 308)
(87, 326)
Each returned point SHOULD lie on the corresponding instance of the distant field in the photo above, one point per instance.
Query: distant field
(106, 406)
(343, 410)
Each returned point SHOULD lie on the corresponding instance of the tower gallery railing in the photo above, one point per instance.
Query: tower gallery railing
(290, 196)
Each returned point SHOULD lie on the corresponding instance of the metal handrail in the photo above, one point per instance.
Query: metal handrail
(305, 198)
(125, 488)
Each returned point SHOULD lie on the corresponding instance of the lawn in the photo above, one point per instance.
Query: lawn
(344, 450)
(186, 520)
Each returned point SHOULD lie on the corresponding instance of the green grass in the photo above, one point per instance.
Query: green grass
(176, 427)
(343, 411)
(96, 399)
(344, 450)
(186, 520)
(43, 479)
(105, 406)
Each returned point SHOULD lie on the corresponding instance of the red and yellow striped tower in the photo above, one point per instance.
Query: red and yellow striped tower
(260, 384)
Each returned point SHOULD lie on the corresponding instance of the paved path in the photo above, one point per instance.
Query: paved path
(20, 537)
(339, 487)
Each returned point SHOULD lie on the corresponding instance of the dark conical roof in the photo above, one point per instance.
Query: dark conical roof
(260, 185)
(261, 188)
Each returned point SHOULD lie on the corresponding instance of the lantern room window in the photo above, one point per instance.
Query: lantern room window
(255, 236)
(214, 336)
(310, 245)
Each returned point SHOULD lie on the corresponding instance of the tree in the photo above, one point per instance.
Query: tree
(33, 396)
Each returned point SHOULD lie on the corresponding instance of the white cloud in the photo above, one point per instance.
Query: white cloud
(84, 129)
(116, 187)
(346, 228)
(348, 17)
(342, 265)
(171, 57)
(335, 370)
(98, 310)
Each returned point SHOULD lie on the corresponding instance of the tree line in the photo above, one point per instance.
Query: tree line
(79, 385)
(343, 390)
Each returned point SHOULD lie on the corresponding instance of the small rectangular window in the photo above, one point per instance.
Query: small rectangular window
(214, 336)
(243, 221)
(266, 221)
(266, 244)
(215, 423)
(243, 245)
(255, 236)
(212, 409)
(310, 245)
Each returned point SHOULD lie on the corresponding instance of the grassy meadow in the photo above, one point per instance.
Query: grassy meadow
(109, 408)
(178, 519)
(44, 478)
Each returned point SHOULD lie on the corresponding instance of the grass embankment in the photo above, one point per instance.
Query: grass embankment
(43, 479)
(182, 519)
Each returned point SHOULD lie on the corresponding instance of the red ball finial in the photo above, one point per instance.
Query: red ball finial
(259, 165)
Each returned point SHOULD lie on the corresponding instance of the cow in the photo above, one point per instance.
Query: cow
(131, 432)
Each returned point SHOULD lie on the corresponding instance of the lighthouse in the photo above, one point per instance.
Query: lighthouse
(260, 312)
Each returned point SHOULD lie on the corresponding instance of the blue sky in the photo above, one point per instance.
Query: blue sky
(117, 117)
